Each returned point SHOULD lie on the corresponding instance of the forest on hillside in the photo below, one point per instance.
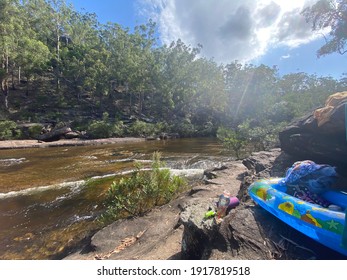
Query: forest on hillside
(61, 65)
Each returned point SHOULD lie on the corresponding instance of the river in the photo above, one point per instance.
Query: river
(50, 197)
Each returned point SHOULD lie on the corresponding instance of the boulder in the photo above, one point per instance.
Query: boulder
(165, 136)
(320, 135)
(264, 164)
(55, 134)
(248, 231)
(331, 117)
(72, 135)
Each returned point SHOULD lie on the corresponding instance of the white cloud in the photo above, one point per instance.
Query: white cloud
(241, 30)
(285, 56)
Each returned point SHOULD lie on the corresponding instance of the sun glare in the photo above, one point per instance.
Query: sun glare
(289, 5)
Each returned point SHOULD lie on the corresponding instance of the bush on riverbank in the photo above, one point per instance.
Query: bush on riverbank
(247, 137)
(143, 129)
(9, 130)
(232, 140)
(105, 128)
(137, 194)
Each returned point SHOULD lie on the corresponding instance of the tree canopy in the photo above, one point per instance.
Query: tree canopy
(330, 15)
(75, 68)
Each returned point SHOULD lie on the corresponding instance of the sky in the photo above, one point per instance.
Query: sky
(270, 32)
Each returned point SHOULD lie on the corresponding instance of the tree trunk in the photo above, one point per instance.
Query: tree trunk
(27, 91)
(5, 90)
(58, 61)
(6, 99)
(13, 87)
(130, 102)
(140, 102)
(4, 81)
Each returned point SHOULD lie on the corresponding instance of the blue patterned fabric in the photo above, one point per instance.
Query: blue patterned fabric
(317, 178)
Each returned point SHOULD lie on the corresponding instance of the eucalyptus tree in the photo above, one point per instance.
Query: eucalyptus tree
(10, 26)
(304, 93)
(142, 62)
(50, 20)
(234, 87)
(178, 80)
(331, 16)
(207, 104)
(250, 89)
(116, 42)
(20, 46)
(82, 55)
(33, 58)
(130, 61)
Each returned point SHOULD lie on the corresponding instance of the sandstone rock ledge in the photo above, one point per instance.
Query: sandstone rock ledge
(179, 231)
(22, 144)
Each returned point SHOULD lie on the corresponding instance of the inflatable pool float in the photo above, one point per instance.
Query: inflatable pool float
(317, 222)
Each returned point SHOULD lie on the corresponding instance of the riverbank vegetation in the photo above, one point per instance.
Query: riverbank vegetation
(61, 65)
(141, 191)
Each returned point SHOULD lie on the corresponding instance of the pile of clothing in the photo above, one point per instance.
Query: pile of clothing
(307, 180)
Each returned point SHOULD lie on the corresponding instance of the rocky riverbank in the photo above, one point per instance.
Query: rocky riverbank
(162, 228)
(178, 230)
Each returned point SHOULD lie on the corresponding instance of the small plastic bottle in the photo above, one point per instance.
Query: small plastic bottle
(223, 204)
(226, 201)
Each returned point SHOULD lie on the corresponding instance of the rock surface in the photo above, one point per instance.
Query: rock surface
(163, 227)
(23, 144)
(248, 231)
(180, 230)
(320, 135)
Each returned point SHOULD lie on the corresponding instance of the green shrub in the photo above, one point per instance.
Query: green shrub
(105, 128)
(262, 137)
(105, 116)
(232, 140)
(143, 129)
(184, 128)
(118, 129)
(140, 128)
(9, 130)
(206, 129)
(99, 129)
(35, 131)
(137, 194)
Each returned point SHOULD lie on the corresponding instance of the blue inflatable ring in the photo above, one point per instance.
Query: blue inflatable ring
(321, 224)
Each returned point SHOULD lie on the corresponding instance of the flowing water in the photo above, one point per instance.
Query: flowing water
(51, 197)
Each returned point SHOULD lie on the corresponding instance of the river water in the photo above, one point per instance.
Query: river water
(50, 197)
